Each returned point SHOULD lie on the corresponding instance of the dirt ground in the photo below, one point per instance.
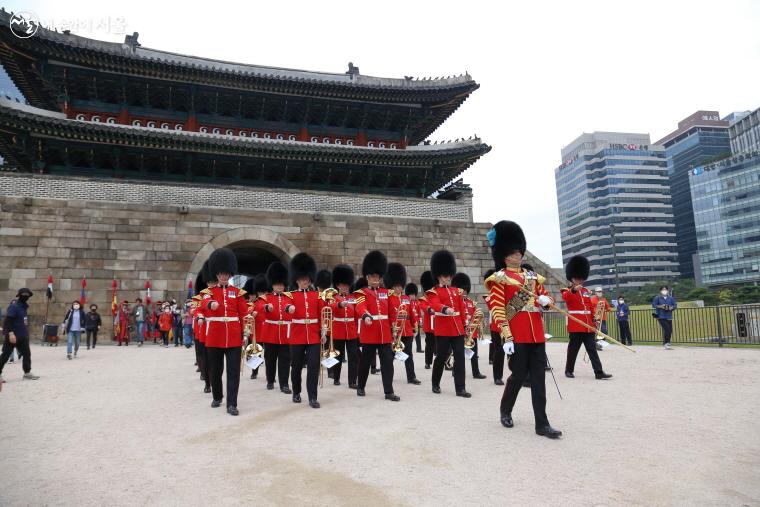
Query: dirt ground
(124, 426)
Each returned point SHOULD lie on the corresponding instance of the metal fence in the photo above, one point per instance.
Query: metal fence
(718, 325)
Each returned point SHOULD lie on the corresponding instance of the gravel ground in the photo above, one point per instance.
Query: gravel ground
(124, 426)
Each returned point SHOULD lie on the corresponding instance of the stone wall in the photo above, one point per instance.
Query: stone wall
(101, 240)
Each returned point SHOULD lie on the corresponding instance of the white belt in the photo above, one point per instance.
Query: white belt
(278, 322)
(580, 312)
(222, 319)
(439, 314)
(343, 319)
(304, 321)
(379, 317)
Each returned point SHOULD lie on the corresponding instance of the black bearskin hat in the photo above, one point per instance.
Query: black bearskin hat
(324, 279)
(577, 267)
(442, 263)
(395, 275)
(302, 265)
(427, 281)
(488, 273)
(360, 283)
(248, 286)
(505, 238)
(462, 281)
(260, 284)
(343, 273)
(277, 273)
(222, 260)
(206, 274)
(527, 267)
(374, 262)
(411, 289)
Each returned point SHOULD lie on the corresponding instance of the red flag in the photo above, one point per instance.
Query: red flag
(189, 289)
(49, 292)
(147, 293)
(114, 300)
(82, 296)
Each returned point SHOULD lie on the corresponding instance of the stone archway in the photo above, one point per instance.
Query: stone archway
(255, 247)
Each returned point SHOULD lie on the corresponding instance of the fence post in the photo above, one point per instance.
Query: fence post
(717, 322)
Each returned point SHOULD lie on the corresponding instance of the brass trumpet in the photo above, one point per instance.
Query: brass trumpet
(326, 325)
(398, 330)
(472, 327)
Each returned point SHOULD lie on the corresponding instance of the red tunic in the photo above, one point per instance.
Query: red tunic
(373, 302)
(344, 319)
(526, 326)
(224, 325)
(441, 298)
(579, 306)
(395, 303)
(492, 325)
(277, 321)
(426, 315)
(305, 321)
(257, 306)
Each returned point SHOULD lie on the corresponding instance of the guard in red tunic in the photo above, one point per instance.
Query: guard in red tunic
(374, 327)
(395, 280)
(274, 330)
(344, 328)
(305, 332)
(225, 312)
(462, 281)
(256, 289)
(428, 317)
(200, 325)
(579, 305)
(518, 316)
(448, 304)
(412, 292)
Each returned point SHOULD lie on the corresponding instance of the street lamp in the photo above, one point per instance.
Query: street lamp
(614, 261)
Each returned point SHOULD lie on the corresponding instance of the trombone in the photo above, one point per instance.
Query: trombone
(325, 324)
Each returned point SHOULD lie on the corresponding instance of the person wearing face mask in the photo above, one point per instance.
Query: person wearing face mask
(165, 324)
(16, 334)
(74, 322)
(663, 305)
(622, 318)
(92, 324)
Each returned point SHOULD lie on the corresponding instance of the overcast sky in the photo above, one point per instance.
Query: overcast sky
(549, 71)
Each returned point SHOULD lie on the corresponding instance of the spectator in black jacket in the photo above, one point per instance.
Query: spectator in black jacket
(92, 324)
(73, 323)
(16, 333)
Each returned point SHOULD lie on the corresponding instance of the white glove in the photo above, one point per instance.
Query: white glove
(544, 300)
(509, 348)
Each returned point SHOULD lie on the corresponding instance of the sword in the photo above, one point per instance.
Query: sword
(607, 337)
(553, 377)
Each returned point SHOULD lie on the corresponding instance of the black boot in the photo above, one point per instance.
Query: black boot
(602, 376)
(464, 394)
(392, 397)
(232, 410)
(297, 398)
(313, 403)
(549, 432)
(506, 420)
(285, 389)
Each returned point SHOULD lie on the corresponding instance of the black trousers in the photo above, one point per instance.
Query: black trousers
(474, 360)
(94, 334)
(498, 355)
(418, 341)
(667, 330)
(589, 341)
(216, 359)
(22, 346)
(386, 365)
(429, 348)
(444, 346)
(277, 360)
(203, 363)
(309, 355)
(528, 358)
(352, 348)
(625, 332)
(408, 342)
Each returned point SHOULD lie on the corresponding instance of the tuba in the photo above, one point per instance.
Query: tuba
(473, 326)
(398, 329)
